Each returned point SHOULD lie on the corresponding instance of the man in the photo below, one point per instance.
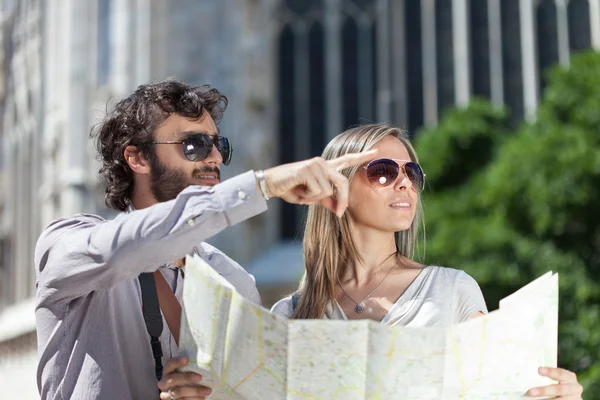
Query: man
(161, 155)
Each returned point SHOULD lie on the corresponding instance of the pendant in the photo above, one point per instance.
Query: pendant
(359, 308)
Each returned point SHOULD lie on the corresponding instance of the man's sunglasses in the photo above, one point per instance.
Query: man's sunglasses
(384, 172)
(198, 146)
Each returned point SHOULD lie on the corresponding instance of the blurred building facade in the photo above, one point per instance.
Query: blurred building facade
(297, 72)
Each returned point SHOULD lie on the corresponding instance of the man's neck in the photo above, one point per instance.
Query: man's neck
(142, 200)
(141, 194)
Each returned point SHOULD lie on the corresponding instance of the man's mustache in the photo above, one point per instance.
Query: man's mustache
(203, 170)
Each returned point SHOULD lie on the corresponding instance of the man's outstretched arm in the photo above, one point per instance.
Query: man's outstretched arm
(75, 256)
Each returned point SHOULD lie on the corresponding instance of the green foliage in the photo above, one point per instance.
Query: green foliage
(507, 206)
(466, 140)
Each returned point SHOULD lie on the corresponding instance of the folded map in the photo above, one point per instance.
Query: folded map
(244, 352)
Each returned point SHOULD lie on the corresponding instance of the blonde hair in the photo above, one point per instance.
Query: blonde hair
(328, 243)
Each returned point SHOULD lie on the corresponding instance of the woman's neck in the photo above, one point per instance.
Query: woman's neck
(375, 249)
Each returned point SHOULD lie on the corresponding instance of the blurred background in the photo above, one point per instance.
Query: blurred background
(502, 99)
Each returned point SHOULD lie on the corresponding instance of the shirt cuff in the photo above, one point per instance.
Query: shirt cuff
(240, 198)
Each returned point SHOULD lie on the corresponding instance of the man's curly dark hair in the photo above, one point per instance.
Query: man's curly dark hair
(134, 121)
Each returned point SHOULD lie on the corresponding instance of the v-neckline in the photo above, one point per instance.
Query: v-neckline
(412, 288)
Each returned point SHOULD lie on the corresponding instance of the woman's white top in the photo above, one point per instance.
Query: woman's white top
(438, 296)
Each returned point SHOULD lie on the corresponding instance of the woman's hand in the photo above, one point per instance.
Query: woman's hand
(567, 388)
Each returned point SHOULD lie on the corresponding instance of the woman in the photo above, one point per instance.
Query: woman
(361, 265)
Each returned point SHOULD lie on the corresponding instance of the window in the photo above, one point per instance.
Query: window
(6, 277)
(444, 54)
(104, 38)
(579, 25)
(480, 49)
(511, 59)
(547, 37)
(303, 79)
(414, 65)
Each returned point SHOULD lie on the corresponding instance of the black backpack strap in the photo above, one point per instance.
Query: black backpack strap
(153, 318)
(295, 299)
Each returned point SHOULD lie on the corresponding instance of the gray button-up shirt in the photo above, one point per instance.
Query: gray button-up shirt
(92, 338)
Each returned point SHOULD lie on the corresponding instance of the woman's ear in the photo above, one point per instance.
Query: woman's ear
(136, 160)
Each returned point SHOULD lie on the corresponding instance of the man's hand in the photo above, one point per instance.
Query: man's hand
(181, 385)
(568, 388)
(313, 181)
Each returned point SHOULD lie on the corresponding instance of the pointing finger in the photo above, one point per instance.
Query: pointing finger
(349, 160)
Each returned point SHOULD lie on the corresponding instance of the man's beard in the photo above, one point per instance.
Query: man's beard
(166, 183)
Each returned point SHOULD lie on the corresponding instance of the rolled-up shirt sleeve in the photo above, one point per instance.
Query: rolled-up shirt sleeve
(75, 256)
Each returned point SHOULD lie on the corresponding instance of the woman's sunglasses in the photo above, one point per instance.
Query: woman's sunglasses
(384, 172)
(198, 146)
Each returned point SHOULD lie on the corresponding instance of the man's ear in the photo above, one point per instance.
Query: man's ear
(136, 160)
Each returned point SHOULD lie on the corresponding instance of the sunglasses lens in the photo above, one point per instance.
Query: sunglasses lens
(382, 173)
(415, 174)
(224, 147)
(197, 148)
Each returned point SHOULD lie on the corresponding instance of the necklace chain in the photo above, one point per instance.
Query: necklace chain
(359, 307)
